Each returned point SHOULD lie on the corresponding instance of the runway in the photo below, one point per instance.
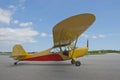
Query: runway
(94, 67)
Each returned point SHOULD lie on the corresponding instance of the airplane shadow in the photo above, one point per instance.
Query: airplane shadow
(45, 64)
(41, 64)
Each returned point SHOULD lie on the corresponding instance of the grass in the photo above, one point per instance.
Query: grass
(96, 52)
(5, 53)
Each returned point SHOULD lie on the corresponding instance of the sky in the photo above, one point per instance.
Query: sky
(30, 23)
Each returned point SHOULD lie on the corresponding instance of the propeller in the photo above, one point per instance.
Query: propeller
(87, 43)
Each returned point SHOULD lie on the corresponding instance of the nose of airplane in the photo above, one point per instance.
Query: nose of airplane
(78, 52)
(82, 51)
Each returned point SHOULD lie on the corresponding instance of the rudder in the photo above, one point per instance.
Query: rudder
(18, 52)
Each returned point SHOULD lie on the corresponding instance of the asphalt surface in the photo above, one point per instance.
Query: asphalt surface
(94, 67)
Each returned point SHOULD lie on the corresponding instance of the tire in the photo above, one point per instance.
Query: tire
(77, 63)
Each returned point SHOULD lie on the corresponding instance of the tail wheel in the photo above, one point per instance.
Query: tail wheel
(77, 63)
(15, 63)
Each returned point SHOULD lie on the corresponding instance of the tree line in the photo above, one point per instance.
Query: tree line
(89, 52)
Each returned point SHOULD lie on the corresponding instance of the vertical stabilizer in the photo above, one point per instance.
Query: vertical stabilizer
(18, 52)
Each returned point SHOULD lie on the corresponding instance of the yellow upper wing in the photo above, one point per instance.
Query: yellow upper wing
(65, 32)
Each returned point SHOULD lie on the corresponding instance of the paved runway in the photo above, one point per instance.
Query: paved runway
(94, 67)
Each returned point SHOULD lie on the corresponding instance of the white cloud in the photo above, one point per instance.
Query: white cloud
(12, 7)
(84, 35)
(23, 7)
(101, 36)
(43, 34)
(18, 35)
(5, 16)
(21, 4)
(93, 36)
(25, 24)
(22, 24)
(15, 22)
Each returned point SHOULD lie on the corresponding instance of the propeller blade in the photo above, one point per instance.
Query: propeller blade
(87, 43)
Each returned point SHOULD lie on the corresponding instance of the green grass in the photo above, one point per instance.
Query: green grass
(5, 53)
(97, 52)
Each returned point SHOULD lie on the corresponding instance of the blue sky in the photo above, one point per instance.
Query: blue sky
(30, 22)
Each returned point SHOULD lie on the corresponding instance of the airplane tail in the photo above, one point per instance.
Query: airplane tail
(18, 52)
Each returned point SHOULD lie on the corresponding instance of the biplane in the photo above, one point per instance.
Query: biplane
(65, 37)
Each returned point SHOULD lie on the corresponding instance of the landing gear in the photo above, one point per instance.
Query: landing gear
(77, 63)
(15, 63)
(72, 62)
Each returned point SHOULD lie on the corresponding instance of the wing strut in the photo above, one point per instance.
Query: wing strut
(74, 47)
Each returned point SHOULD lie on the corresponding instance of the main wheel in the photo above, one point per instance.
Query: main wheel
(72, 62)
(77, 63)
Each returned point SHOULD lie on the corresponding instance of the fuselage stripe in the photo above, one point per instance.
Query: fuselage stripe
(50, 57)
